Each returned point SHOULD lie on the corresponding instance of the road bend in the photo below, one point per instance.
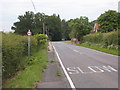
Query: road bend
(88, 68)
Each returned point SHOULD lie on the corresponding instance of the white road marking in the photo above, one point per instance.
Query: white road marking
(101, 52)
(80, 70)
(94, 50)
(93, 69)
(106, 53)
(72, 70)
(67, 75)
(75, 51)
(109, 68)
(76, 70)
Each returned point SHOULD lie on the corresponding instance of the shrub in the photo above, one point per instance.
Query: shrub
(14, 48)
(108, 40)
(41, 38)
(93, 38)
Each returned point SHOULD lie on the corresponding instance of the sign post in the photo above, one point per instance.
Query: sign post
(29, 34)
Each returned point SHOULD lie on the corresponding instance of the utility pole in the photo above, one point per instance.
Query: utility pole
(43, 28)
(29, 34)
(46, 29)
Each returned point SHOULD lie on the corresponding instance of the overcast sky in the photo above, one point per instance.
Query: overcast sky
(67, 9)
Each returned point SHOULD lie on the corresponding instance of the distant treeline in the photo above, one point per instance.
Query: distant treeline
(39, 23)
(58, 29)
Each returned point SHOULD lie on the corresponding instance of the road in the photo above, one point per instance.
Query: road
(88, 68)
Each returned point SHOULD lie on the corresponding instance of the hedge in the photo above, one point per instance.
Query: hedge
(14, 49)
(41, 38)
(105, 39)
(93, 38)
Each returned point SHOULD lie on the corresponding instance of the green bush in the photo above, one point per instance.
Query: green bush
(108, 40)
(41, 38)
(93, 38)
(14, 48)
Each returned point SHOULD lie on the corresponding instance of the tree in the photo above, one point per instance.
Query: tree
(34, 22)
(54, 25)
(79, 27)
(119, 20)
(108, 21)
(24, 24)
(29, 21)
(65, 30)
(39, 18)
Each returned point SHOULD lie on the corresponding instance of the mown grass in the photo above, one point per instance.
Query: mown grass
(110, 51)
(32, 73)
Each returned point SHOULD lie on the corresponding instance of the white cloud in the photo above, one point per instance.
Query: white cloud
(66, 8)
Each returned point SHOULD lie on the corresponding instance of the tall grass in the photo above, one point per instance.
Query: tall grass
(32, 73)
(14, 50)
(15, 60)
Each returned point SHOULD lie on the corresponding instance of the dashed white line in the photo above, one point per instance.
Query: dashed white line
(96, 51)
(75, 50)
(67, 75)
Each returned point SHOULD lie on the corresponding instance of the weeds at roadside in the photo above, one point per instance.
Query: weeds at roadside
(52, 61)
(58, 73)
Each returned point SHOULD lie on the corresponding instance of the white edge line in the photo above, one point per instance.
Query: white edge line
(68, 77)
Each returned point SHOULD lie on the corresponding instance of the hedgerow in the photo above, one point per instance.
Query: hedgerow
(14, 49)
(107, 40)
(93, 38)
(41, 38)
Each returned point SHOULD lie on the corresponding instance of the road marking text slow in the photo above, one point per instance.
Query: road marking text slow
(91, 69)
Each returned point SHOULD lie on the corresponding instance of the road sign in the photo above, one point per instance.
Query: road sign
(29, 33)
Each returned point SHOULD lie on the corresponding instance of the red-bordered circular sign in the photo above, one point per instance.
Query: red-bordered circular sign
(29, 33)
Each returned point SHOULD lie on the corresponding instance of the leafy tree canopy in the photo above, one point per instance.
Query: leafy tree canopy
(57, 29)
(79, 27)
(108, 21)
(34, 22)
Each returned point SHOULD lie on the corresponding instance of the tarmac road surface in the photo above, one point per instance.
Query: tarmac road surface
(87, 68)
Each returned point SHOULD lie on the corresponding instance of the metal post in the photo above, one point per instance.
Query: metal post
(43, 28)
(28, 46)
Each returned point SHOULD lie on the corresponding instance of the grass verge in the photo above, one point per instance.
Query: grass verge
(110, 51)
(32, 73)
